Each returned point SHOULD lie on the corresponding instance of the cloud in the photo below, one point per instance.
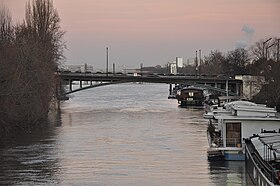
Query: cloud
(247, 37)
(241, 44)
(248, 30)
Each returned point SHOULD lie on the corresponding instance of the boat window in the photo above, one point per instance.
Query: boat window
(233, 134)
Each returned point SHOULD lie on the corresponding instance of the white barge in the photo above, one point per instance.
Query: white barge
(263, 158)
(237, 120)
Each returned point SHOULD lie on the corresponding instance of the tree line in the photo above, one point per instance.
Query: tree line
(30, 53)
(261, 59)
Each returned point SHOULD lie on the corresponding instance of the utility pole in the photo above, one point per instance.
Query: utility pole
(114, 68)
(141, 69)
(277, 50)
(107, 60)
(196, 69)
(263, 52)
(199, 68)
(267, 52)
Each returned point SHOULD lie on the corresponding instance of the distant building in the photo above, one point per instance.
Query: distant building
(79, 68)
(179, 62)
(86, 68)
(73, 68)
(251, 85)
(172, 68)
(190, 62)
(175, 65)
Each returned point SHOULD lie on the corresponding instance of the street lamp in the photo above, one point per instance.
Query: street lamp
(264, 46)
(141, 69)
(266, 50)
(107, 60)
(196, 69)
(199, 67)
(277, 50)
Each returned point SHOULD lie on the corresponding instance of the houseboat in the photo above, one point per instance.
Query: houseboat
(174, 91)
(229, 125)
(262, 160)
(190, 96)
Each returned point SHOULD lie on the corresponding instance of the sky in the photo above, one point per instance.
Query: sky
(154, 32)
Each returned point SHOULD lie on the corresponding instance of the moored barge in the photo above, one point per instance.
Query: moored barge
(190, 96)
(263, 158)
(229, 125)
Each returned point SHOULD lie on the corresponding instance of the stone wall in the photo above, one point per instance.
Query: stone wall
(251, 85)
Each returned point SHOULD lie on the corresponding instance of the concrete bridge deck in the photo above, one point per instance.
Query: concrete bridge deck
(152, 79)
(224, 83)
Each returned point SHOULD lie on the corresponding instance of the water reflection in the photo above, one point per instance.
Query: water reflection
(31, 159)
(229, 173)
(119, 136)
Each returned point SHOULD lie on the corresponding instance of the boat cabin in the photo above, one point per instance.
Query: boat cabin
(238, 120)
(190, 96)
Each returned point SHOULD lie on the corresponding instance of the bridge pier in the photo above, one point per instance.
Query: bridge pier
(81, 84)
(227, 88)
(170, 89)
(70, 85)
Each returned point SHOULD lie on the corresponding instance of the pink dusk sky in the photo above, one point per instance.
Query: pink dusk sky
(154, 32)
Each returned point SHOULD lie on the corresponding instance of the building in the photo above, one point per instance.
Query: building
(172, 68)
(175, 65)
(179, 62)
(79, 68)
(251, 85)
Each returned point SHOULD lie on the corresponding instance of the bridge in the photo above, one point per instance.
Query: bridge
(222, 85)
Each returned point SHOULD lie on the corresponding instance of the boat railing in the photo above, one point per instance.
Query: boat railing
(225, 142)
(266, 168)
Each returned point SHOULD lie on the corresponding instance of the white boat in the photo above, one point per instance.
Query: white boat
(262, 154)
(228, 126)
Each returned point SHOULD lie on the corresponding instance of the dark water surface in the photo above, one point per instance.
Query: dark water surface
(128, 134)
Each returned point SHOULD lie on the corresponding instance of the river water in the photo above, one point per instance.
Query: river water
(127, 134)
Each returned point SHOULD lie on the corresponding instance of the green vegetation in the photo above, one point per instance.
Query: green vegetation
(29, 55)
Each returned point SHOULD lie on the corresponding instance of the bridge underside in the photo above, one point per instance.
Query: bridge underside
(224, 86)
(91, 86)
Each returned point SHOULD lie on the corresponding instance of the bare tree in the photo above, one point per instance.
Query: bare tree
(6, 28)
(42, 22)
(28, 58)
(236, 62)
(6, 49)
(214, 63)
(257, 50)
(264, 49)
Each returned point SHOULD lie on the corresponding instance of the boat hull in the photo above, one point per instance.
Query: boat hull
(234, 156)
(255, 173)
(215, 155)
(218, 154)
(185, 103)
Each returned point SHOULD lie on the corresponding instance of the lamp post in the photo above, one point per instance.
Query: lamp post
(264, 55)
(199, 68)
(277, 57)
(141, 69)
(107, 60)
(114, 68)
(196, 69)
(266, 50)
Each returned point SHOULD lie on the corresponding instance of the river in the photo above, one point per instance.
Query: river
(127, 134)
